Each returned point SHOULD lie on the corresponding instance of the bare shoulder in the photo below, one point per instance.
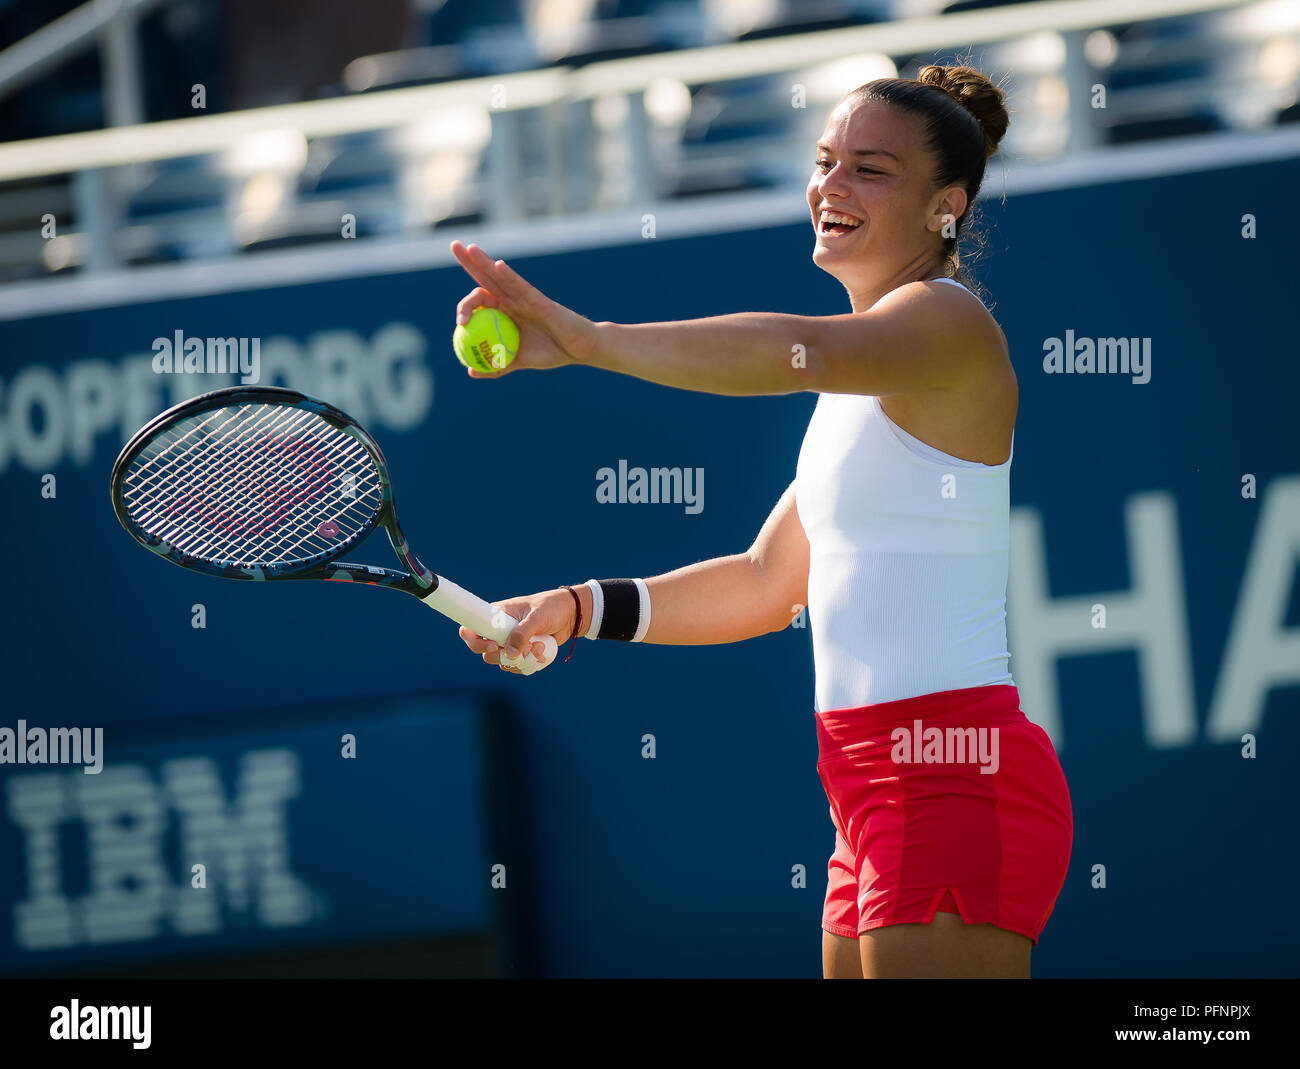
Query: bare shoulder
(919, 337)
(955, 310)
(973, 416)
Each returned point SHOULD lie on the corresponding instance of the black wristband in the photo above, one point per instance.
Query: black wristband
(622, 614)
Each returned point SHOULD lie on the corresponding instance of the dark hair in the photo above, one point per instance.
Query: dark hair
(965, 118)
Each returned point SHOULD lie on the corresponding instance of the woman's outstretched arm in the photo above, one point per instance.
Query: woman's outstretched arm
(729, 599)
(726, 599)
(919, 337)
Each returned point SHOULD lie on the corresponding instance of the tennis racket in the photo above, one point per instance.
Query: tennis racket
(262, 483)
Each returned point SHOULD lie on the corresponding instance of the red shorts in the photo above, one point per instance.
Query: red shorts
(920, 827)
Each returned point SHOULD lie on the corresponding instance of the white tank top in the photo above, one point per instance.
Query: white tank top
(907, 577)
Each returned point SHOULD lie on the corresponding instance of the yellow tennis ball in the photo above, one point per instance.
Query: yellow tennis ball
(488, 342)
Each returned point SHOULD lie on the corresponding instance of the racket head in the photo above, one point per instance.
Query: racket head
(252, 482)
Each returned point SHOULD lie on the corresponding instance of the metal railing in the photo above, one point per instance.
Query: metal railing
(636, 131)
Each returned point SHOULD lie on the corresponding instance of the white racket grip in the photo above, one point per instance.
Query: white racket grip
(469, 610)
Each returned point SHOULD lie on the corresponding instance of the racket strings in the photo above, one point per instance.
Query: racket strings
(270, 510)
(188, 446)
(243, 496)
(248, 480)
(213, 472)
(187, 516)
(256, 484)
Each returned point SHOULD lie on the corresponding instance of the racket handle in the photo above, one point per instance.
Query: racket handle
(469, 610)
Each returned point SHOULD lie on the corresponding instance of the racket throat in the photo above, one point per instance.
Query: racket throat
(426, 580)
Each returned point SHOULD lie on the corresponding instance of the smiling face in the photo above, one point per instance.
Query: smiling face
(877, 216)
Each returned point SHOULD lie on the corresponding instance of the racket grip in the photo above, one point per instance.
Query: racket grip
(469, 610)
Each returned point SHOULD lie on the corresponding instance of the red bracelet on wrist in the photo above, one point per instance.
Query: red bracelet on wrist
(577, 622)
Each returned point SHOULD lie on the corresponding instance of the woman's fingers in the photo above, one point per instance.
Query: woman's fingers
(490, 652)
(477, 264)
(493, 276)
(522, 295)
(524, 636)
(476, 642)
(477, 297)
(511, 284)
(535, 647)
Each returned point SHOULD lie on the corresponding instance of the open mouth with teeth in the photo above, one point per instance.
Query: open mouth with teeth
(835, 223)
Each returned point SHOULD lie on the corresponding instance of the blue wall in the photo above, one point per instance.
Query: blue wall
(298, 843)
(682, 865)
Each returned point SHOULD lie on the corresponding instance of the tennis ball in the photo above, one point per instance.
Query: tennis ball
(488, 342)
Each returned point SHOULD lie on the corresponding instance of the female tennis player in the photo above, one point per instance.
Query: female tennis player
(952, 816)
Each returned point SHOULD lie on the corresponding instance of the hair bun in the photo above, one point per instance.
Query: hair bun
(974, 92)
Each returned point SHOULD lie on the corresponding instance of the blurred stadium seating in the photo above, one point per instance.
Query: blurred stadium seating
(686, 124)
